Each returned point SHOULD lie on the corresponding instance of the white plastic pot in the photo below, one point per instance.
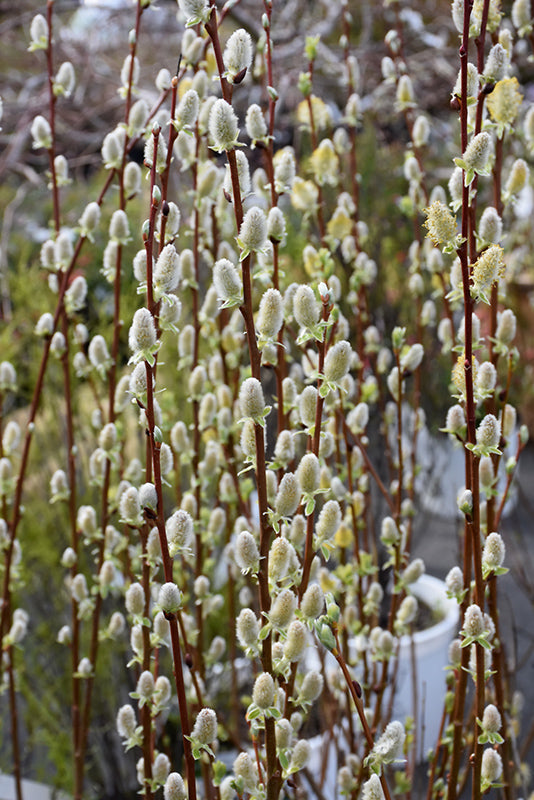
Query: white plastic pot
(30, 790)
(428, 655)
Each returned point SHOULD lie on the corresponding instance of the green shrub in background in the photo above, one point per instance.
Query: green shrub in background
(223, 362)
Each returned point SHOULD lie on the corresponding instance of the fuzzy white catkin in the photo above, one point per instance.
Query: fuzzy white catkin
(226, 280)
(246, 551)
(188, 108)
(169, 598)
(372, 789)
(329, 520)
(455, 581)
(253, 230)
(126, 721)
(300, 755)
(494, 551)
(407, 610)
(306, 309)
(270, 314)
(119, 227)
(308, 473)
(311, 687)
(284, 450)
(222, 124)
(491, 765)
(251, 399)
(506, 327)
(263, 691)
(473, 621)
(117, 625)
(491, 719)
(255, 123)
(509, 420)
(489, 431)
(245, 768)
(337, 361)
(145, 685)
(205, 727)
(247, 628)
(142, 334)
(283, 608)
(180, 531)
(490, 226)
(288, 495)
(297, 639)
(312, 602)
(174, 788)
(238, 52)
(389, 745)
(161, 768)
(279, 558)
(167, 270)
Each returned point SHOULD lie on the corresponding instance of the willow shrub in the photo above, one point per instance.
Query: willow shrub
(235, 479)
